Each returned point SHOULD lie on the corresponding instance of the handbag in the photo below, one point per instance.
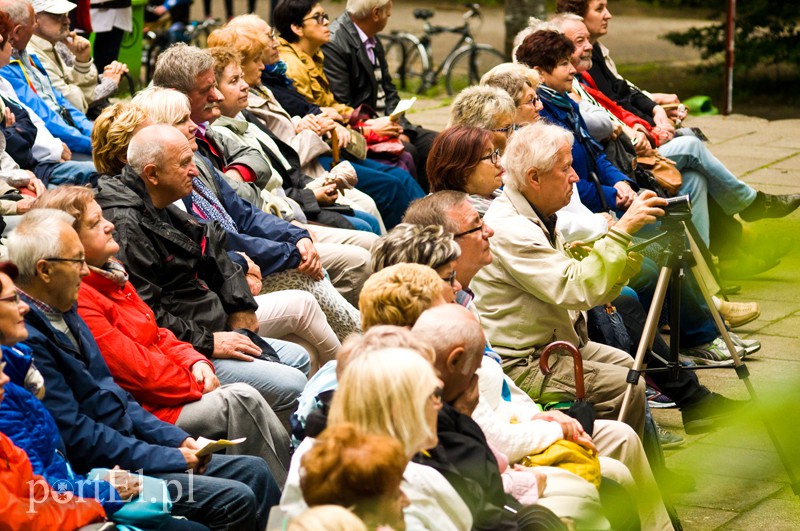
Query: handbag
(664, 171)
(570, 456)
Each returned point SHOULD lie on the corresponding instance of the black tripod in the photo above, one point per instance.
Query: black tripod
(675, 261)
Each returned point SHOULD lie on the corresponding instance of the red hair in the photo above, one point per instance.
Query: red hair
(5, 28)
(455, 154)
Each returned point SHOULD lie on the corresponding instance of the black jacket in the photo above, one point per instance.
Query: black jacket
(292, 101)
(179, 266)
(628, 97)
(463, 457)
(349, 70)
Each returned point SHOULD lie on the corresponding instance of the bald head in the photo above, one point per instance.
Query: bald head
(457, 340)
(162, 156)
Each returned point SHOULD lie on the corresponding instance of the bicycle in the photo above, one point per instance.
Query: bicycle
(410, 58)
(157, 40)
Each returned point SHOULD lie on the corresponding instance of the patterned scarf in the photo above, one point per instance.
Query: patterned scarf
(278, 70)
(207, 206)
(112, 270)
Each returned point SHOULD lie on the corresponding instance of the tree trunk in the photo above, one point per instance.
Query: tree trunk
(517, 13)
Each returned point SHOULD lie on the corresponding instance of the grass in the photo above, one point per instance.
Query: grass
(766, 91)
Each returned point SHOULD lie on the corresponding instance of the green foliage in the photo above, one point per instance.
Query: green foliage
(767, 31)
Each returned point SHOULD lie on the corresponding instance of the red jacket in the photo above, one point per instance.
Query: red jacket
(627, 117)
(147, 361)
(21, 490)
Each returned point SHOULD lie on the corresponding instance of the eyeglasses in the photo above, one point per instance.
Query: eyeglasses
(321, 18)
(80, 261)
(470, 231)
(436, 395)
(507, 129)
(13, 298)
(494, 156)
(450, 279)
(273, 35)
(532, 102)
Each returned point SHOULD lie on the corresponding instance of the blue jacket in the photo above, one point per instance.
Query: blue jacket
(101, 425)
(582, 157)
(269, 241)
(25, 421)
(77, 138)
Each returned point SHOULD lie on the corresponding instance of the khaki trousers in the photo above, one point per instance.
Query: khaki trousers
(604, 371)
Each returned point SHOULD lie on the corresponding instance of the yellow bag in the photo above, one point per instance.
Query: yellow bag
(570, 456)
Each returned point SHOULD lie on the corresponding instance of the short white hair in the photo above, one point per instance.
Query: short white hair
(163, 105)
(361, 9)
(19, 11)
(534, 25)
(511, 77)
(148, 146)
(35, 238)
(557, 22)
(533, 146)
(479, 106)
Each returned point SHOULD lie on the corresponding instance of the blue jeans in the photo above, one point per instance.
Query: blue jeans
(364, 221)
(279, 383)
(390, 187)
(71, 172)
(235, 493)
(697, 327)
(704, 174)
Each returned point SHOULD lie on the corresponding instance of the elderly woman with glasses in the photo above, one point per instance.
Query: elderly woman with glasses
(388, 386)
(486, 107)
(465, 159)
(430, 246)
(520, 82)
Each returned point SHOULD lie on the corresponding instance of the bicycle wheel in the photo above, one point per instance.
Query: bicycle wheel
(407, 63)
(468, 65)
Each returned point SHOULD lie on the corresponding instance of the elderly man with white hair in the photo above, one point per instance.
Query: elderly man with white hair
(547, 290)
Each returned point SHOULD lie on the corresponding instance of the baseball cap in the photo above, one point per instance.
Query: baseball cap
(56, 7)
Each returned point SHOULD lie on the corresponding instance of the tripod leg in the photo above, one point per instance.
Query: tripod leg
(646, 343)
(743, 374)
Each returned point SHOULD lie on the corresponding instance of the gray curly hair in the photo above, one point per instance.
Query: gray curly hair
(406, 243)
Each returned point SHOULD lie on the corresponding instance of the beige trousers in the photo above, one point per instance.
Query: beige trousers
(604, 371)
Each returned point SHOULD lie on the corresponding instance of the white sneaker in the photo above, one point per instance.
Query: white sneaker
(745, 346)
(714, 353)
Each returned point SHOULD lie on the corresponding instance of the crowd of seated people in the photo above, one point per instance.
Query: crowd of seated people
(245, 251)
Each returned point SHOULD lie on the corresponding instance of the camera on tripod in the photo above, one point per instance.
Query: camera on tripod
(677, 209)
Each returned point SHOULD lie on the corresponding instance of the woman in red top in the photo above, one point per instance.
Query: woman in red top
(168, 377)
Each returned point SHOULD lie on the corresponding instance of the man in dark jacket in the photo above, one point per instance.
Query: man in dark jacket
(356, 67)
(101, 424)
(182, 270)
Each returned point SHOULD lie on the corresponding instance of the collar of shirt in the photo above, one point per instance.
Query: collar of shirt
(368, 42)
(41, 306)
(549, 223)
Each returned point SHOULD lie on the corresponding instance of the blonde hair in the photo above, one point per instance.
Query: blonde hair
(112, 133)
(513, 78)
(387, 392)
(326, 518)
(481, 106)
(242, 37)
(379, 337)
(398, 294)
(163, 105)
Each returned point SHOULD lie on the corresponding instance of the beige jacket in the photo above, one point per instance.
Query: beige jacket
(77, 83)
(533, 293)
(309, 79)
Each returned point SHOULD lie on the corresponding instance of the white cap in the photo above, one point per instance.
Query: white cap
(56, 7)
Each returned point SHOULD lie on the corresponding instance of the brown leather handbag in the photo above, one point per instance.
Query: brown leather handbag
(664, 170)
